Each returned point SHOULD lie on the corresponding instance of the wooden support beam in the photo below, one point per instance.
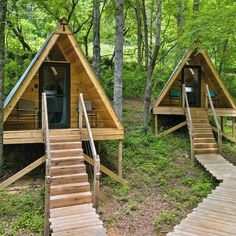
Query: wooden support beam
(172, 129)
(234, 127)
(222, 123)
(156, 124)
(23, 172)
(120, 146)
(106, 171)
(230, 138)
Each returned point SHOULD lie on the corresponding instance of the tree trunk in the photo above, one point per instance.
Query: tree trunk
(222, 60)
(139, 32)
(3, 10)
(86, 39)
(118, 64)
(145, 32)
(180, 28)
(96, 37)
(196, 4)
(148, 89)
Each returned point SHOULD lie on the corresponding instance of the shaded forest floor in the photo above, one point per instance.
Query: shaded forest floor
(164, 185)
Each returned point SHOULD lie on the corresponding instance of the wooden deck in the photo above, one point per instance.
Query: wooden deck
(36, 136)
(216, 215)
(168, 110)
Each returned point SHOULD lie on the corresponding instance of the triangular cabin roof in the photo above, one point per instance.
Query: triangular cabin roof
(203, 59)
(61, 30)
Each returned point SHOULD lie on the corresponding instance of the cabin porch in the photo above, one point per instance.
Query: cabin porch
(36, 135)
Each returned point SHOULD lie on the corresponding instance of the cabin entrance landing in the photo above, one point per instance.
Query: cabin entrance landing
(191, 77)
(54, 81)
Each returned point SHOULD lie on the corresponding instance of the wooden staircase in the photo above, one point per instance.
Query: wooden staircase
(71, 210)
(203, 138)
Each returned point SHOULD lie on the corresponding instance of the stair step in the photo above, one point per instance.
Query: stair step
(64, 179)
(205, 145)
(67, 169)
(203, 135)
(85, 230)
(205, 150)
(202, 130)
(70, 199)
(66, 145)
(71, 210)
(200, 120)
(67, 152)
(202, 125)
(64, 138)
(204, 140)
(62, 161)
(69, 188)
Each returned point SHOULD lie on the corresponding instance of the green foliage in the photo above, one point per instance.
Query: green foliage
(164, 218)
(133, 81)
(24, 211)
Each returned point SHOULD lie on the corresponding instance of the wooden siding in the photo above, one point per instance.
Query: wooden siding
(80, 83)
(207, 77)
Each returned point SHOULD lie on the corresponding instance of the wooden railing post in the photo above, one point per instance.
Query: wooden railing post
(189, 121)
(96, 158)
(80, 117)
(183, 94)
(219, 132)
(45, 130)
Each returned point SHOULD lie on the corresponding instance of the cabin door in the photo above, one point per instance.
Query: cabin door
(191, 77)
(55, 82)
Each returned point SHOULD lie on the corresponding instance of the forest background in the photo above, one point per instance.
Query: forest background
(212, 22)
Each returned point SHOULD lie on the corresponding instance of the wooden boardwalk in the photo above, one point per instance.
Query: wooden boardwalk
(216, 215)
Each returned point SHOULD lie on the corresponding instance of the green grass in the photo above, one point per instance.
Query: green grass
(22, 212)
(160, 165)
(159, 172)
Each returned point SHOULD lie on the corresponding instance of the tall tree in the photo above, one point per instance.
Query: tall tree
(145, 24)
(152, 63)
(3, 10)
(118, 63)
(139, 30)
(96, 37)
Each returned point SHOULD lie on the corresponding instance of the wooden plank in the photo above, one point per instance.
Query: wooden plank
(156, 124)
(106, 170)
(172, 129)
(36, 136)
(120, 145)
(23, 172)
(168, 110)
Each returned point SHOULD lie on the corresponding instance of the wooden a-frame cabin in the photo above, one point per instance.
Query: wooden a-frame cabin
(59, 102)
(194, 92)
(62, 71)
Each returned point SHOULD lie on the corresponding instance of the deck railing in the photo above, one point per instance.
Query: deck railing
(45, 129)
(189, 119)
(96, 159)
(219, 133)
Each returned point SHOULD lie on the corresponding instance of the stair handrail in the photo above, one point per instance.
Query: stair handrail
(96, 158)
(219, 133)
(45, 130)
(189, 118)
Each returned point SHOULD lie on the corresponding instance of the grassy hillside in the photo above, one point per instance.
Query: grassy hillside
(164, 185)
